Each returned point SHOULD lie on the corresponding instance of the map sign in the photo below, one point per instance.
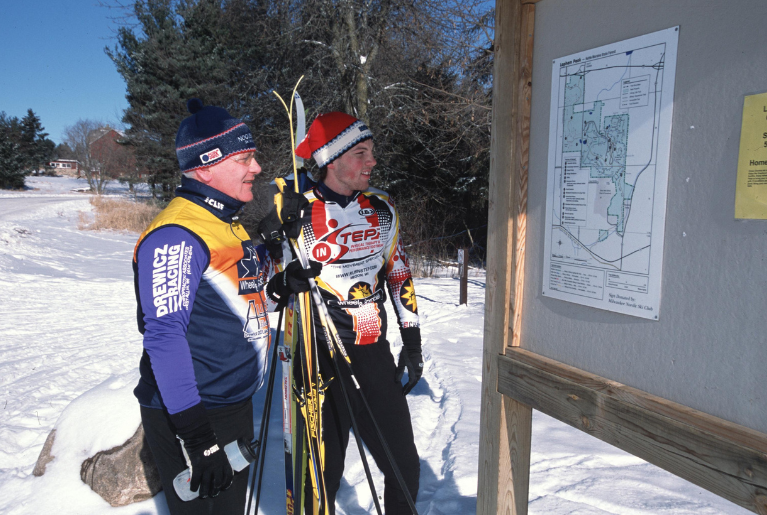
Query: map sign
(609, 139)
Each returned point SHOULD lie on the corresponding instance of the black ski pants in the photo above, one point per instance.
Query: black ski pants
(229, 423)
(374, 369)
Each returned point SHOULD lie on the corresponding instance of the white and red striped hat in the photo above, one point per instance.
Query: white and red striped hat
(330, 135)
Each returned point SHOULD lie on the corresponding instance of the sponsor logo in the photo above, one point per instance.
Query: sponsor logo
(359, 291)
(244, 137)
(407, 296)
(257, 325)
(170, 284)
(334, 245)
(252, 275)
(214, 203)
(367, 211)
(359, 295)
(322, 252)
(211, 156)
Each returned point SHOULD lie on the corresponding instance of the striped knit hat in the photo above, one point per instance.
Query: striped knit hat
(330, 135)
(209, 136)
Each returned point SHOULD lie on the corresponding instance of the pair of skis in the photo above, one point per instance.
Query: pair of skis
(303, 389)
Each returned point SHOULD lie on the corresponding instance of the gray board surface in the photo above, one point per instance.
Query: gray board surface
(709, 348)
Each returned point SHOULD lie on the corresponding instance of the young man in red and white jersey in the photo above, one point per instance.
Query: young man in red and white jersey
(353, 230)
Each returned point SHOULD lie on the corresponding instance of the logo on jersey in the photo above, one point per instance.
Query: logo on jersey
(214, 203)
(257, 324)
(170, 278)
(368, 211)
(359, 291)
(334, 245)
(407, 296)
(359, 295)
(252, 275)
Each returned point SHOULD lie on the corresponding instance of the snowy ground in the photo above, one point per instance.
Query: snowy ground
(68, 333)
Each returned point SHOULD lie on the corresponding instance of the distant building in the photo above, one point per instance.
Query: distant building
(68, 167)
(113, 157)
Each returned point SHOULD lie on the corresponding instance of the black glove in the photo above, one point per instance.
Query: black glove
(410, 357)
(293, 207)
(211, 471)
(275, 228)
(270, 229)
(294, 279)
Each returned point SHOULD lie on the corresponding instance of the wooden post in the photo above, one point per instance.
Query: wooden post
(504, 450)
(463, 271)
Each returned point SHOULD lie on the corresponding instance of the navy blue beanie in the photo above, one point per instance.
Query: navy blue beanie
(209, 136)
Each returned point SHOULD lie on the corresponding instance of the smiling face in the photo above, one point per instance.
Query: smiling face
(351, 172)
(233, 176)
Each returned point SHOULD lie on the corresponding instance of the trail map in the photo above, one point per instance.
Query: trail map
(609, 141)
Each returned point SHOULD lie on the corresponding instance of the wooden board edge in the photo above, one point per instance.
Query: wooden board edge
(742, 435)
(711, 461)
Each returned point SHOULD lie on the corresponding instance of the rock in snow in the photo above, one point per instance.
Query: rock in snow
(45, 455)
(121, 475)
(124, 474)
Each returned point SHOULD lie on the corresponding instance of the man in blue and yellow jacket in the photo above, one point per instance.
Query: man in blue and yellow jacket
(200, 286)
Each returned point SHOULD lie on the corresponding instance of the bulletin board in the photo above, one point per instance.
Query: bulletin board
(693, 377)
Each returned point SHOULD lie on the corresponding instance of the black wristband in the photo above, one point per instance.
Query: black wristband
(193, 426)
(411, 337)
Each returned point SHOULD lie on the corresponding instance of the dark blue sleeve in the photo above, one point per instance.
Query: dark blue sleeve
(270, 266)
(170, 261)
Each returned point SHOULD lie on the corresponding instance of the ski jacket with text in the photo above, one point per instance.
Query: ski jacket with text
(360, 250)
(201, 304)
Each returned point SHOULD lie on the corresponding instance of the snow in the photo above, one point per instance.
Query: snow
(70, 352)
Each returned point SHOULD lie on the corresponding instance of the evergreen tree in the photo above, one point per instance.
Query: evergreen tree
(415, 70)
(24, 148)
(34, 144)
(11, 158)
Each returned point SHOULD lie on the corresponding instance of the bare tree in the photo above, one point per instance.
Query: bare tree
(101, 157)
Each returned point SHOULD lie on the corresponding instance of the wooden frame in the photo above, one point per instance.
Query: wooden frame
(723, 457)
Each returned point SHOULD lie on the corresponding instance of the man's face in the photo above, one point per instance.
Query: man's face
(234, 176)
(351, 171)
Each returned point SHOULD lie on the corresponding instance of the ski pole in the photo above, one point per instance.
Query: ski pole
(258, 463)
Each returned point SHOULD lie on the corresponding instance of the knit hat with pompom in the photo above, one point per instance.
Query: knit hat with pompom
(330, 135)
(209, 136)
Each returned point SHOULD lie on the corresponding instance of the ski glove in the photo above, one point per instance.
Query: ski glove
(270, 229)
(410, 357)
(293, 207)
(211, 471)
(294, 279)
(274, 228)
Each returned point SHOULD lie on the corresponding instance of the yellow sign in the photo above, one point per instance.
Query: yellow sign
(751, 188)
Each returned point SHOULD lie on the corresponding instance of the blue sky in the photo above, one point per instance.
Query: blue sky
(52, 54)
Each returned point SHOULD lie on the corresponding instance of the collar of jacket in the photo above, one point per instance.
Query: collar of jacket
(323, 192)
(220, 204)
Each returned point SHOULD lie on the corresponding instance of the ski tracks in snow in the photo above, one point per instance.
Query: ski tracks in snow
(54, 346)
(444, 405)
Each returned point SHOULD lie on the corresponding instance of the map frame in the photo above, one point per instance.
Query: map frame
(607, 178)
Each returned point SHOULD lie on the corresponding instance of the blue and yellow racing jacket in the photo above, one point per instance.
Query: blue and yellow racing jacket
(202, 307)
